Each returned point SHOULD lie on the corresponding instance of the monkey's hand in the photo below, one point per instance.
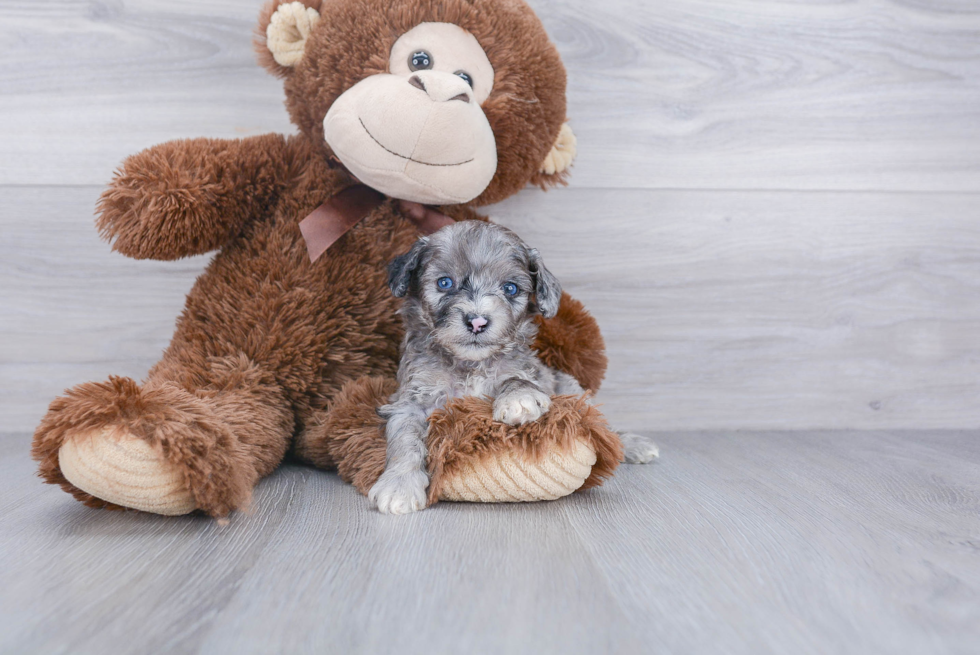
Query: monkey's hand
(190, 196)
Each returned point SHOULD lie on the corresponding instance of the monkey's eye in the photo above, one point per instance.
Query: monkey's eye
(420, 61)
(466, 77)
(444, 283)
(510, 288)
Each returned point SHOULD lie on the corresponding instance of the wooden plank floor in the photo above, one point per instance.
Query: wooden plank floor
(787, 542)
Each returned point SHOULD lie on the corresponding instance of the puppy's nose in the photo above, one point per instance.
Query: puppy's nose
(476, 324)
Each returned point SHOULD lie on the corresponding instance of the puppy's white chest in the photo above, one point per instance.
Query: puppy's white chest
(475, 384)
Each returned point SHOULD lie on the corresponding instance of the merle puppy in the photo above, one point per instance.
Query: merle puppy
(471, 289)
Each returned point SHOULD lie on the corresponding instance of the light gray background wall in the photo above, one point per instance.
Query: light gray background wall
(773, 214)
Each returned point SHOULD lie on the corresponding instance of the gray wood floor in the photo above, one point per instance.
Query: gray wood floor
(787, 542)
(774, 216)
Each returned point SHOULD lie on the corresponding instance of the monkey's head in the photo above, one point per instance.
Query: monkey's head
(434, 101)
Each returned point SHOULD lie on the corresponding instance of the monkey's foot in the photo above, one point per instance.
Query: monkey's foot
(115, 466)
(511, 477)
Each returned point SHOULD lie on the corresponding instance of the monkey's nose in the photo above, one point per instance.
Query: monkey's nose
(441, 88)
(476, 324)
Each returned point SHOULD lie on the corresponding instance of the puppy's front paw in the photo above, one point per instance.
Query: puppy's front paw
(521, 406)
(638, 449)
(399, 492)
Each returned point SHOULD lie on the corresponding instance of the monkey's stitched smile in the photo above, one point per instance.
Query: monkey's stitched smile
(424, 163)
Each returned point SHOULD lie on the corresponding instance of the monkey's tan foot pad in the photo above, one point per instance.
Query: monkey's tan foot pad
(510, 477)
(127, 471)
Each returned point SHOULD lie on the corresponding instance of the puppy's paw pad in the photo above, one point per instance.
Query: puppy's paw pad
(399, 493)
(521, 407)
(638, 449)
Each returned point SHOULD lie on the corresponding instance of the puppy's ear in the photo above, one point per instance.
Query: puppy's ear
(547, 288)
(401, 270)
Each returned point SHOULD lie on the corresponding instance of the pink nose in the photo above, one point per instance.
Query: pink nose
(477, 323)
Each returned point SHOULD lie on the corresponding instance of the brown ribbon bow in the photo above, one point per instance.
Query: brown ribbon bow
(341, 212)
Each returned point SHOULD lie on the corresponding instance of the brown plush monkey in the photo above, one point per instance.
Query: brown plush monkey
(439, 105)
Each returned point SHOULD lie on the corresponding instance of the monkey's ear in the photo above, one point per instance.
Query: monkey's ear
(547, 288)
(401, 270)
(281, 35)
(554, 168)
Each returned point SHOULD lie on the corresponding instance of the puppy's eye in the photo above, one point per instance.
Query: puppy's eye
(420, 61)
(465, 77)
(510, 288)
(444, 283)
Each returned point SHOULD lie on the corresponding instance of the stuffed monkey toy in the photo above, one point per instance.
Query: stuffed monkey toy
(410, 114)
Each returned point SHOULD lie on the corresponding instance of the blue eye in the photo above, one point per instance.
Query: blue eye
(444, 283)
(510, 289)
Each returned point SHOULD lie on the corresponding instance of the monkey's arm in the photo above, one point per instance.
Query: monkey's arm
(571, 342)
(190, 196)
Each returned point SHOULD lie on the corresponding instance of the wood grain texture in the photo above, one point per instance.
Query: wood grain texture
(772, 310)
(722, 310)
(87, 83)
(802, 542)
(777, 94)
(773, 94)
(72, 310)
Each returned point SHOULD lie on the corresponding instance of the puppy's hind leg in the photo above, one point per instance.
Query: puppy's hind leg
(638, 449)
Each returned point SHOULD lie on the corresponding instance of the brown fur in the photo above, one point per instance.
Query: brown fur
(268, 339)
(191, 196)
(571, 342)
(350, 435)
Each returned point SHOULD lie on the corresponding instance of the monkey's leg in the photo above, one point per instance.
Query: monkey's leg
(172, 445)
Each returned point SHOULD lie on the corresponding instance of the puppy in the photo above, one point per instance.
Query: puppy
(471, 291)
